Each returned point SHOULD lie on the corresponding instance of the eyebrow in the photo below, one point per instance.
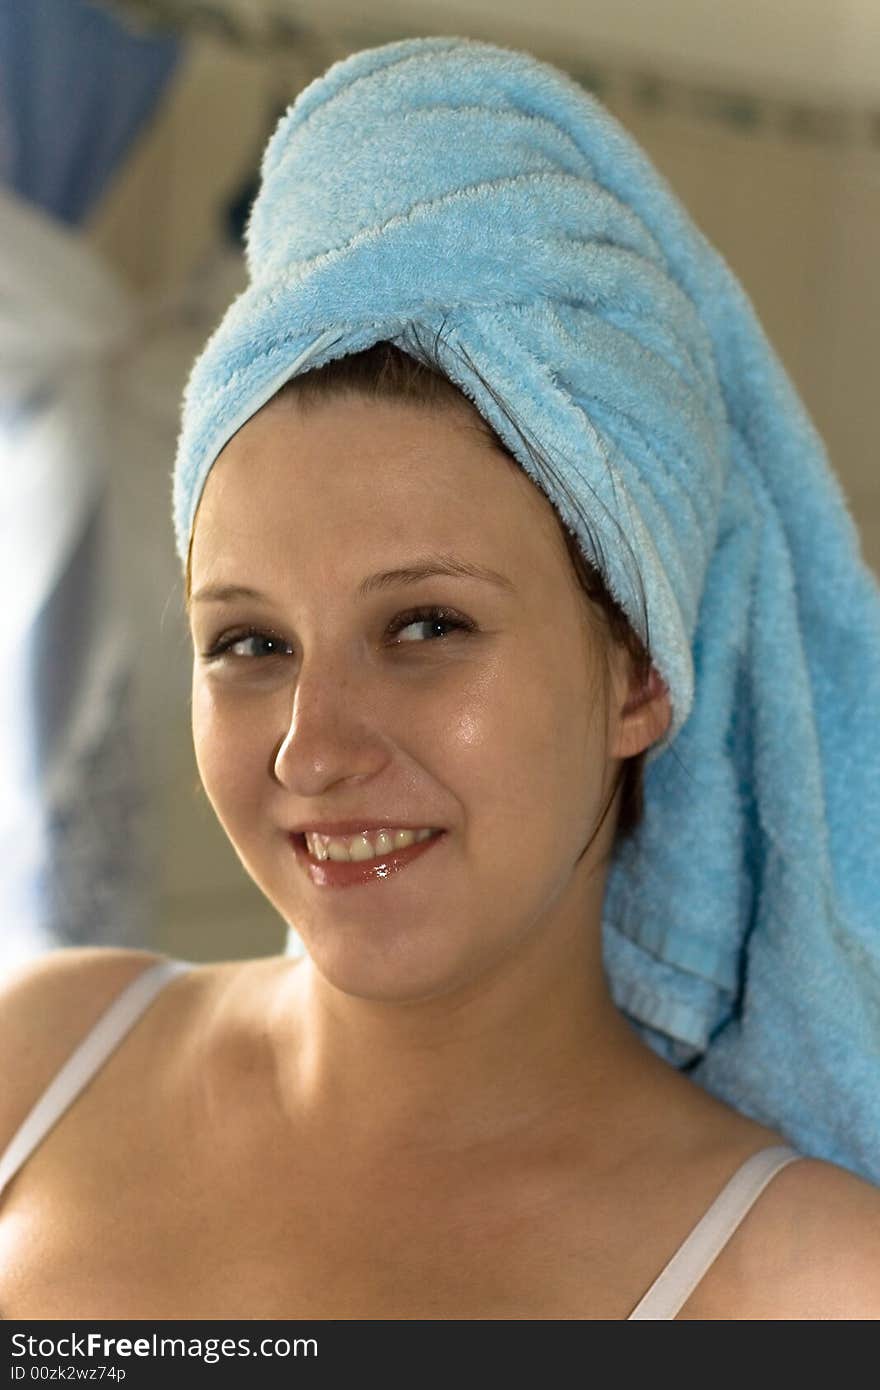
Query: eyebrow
(426, 568)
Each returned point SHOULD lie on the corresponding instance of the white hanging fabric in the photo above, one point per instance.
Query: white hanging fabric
(70, 798)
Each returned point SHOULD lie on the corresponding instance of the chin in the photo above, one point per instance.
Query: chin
(387, 971)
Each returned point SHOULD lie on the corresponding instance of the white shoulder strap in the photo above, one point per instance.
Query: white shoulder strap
(87, 1059)
(675, 1284)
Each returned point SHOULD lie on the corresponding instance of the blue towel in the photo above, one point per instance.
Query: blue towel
(446, 183)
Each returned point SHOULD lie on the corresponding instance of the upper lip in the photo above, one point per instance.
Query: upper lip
(354, 827)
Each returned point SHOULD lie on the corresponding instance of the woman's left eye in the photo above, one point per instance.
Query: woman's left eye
(431, 618)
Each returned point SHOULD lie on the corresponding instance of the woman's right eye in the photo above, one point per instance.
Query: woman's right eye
(237, 639)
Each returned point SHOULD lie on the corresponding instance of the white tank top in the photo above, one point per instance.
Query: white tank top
(663, 1300)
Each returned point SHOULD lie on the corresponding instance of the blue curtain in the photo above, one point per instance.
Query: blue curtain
(76, 89)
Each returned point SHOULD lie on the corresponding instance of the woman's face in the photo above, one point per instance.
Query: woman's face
(493, 731)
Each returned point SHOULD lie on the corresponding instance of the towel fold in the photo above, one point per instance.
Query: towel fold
(450, 184)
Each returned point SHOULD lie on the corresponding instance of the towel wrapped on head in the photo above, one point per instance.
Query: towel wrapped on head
(452, 189)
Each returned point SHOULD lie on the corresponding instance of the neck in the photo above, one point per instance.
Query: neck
(534, 1042)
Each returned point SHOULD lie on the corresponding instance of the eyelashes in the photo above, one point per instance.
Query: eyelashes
(223, 644)
(436, 617)
(424, 616)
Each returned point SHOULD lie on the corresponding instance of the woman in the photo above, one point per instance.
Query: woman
(440, 1109)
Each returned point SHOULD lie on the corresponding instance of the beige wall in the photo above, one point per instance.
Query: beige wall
(820, 46)
(795, 217)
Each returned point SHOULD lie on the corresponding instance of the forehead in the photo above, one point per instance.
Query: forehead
(373, 478)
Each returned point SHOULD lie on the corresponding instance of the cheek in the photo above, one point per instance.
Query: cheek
(524, 753)
(555, 766)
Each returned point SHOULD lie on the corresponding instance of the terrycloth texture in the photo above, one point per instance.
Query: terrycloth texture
(449, 183)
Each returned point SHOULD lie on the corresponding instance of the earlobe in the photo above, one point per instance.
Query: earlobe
(645, 717)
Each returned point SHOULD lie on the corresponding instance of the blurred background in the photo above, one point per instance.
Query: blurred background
(130, 140)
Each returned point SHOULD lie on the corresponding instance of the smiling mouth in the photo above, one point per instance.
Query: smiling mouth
(343, 849)
(334, 873)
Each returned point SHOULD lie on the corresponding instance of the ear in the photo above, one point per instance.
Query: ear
(644, 716)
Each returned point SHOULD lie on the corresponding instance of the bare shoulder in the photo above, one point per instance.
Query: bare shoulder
(831, 1223)
(808, 1249)
(46, 1007)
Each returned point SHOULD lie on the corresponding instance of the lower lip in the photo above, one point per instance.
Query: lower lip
(327, 873)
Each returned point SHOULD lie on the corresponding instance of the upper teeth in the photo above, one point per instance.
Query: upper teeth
(363, 846)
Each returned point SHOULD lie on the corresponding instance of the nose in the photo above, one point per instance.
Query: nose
(333, 733)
